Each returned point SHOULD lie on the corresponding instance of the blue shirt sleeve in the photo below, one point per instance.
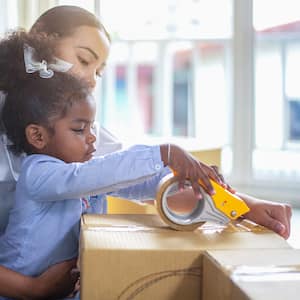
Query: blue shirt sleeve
(142, 191)
(50, 179)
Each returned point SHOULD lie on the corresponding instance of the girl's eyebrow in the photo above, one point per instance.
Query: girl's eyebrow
(81, 120)
(91, 51)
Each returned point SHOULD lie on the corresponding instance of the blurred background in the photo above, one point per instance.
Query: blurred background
(207, 74)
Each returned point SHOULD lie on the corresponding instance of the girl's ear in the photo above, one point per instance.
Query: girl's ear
(37, 136)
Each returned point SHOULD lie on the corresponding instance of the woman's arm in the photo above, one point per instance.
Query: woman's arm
(275, 216)
(272, 215)
(57, 282)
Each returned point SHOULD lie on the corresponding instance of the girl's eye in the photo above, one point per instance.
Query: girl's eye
(78, 130)
(93, 128)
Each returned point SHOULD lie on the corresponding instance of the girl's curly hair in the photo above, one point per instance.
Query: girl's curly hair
(12, 67)
(30, 99)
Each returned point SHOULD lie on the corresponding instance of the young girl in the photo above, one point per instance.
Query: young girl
(77, 35)
(49, 116)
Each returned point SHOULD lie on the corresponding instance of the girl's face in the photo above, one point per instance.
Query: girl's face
(87, 49)
(74, 138)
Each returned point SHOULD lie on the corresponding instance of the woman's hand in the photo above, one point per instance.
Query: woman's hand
(58, 281)
(185, 166)
(272, 215)
(55, 283)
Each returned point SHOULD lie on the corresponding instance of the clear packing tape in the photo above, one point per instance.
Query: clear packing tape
(248, 273)
(220, 208)
(242, 225)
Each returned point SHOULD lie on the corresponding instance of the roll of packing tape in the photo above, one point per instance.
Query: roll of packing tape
(185, 222)
(220, 208)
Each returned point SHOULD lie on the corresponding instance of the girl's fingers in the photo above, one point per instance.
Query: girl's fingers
(181, 182)
(197, 190)
(218, 177)
(206, 183)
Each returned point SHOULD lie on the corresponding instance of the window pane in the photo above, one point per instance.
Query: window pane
(294, 120)
(177, 61)
(9, 18)
(161, 19)
(145, 96)
(268, 95)
(277, 92)
(293, 91)
(87, 4)
(269, 14)
(181, 89)
(211, 86)
(293, 68)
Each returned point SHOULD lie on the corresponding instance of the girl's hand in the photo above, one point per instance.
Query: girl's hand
(224, 184)
(185, 166)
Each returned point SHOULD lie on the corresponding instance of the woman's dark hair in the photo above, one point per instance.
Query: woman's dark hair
(30, 99)
(62, 21)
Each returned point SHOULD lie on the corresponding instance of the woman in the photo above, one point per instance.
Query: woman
(81, 40)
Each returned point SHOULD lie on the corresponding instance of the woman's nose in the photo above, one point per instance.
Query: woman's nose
(91, 80)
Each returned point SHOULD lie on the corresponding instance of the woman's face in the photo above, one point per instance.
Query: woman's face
(87, 49)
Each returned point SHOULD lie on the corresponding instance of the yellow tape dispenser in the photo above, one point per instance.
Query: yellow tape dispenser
(220, 208)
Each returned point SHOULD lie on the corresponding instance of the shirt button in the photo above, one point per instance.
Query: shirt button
(157, 167)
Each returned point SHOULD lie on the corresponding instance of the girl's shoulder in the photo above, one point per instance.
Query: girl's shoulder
(36, 164)
(40, 158)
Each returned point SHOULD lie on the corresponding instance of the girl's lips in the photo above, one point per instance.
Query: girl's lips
(91, 152)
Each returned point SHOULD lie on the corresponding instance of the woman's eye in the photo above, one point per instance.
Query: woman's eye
(99, 74)
(83, 61)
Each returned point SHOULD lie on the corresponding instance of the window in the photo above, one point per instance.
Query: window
(8, 15)
(277, 90)
(86, 4)
(169, 68)
(224, 72)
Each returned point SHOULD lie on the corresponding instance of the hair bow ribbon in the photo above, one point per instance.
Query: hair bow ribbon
(45, 70)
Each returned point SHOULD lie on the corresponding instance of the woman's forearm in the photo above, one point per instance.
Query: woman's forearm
(15, 285)
(55, 283)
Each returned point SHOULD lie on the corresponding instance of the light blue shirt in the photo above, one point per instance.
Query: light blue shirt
(44, 223)
(10, 166)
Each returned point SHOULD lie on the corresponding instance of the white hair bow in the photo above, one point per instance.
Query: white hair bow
(45, 70)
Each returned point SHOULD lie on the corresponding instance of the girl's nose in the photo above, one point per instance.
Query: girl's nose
(92, 137)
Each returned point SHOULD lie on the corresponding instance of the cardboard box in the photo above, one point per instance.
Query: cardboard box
(257, 274)
(139, 257)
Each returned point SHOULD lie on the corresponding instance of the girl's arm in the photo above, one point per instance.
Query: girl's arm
(57, 282)
(142, 191)
(50, 179)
